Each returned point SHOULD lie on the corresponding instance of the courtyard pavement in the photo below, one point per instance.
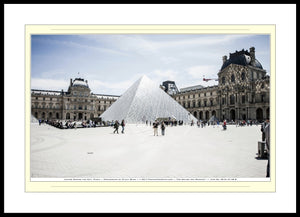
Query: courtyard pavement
(184, 152)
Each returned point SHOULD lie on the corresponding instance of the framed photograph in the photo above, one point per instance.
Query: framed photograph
(150, 108)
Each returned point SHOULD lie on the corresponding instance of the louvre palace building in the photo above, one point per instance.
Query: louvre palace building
(242, 93)
(78, 103)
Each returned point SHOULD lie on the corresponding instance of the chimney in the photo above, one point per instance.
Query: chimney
(224, 59)
(70, 82)
(252, 54)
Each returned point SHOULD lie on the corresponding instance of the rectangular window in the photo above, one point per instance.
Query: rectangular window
(231, 99)
(262, 98)
(243, 99)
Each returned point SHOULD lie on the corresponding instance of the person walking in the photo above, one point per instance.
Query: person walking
(123, 125)
(116, 126)
(163, 127)
(155, 126)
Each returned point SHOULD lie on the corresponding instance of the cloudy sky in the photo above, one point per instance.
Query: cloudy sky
(112, 63)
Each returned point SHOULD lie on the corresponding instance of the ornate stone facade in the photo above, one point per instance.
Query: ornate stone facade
(78, 103)
(243, 91)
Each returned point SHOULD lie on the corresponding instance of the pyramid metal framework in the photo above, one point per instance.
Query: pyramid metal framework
(146, 101)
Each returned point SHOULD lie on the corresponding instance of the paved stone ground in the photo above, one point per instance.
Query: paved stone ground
(184, 152)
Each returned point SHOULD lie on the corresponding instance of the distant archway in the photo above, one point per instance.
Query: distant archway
(232, 115)
(244, 117)
(206, 115)
(201, 115)
(79, 116)
(213, 113)
(259, 114)
(195, 114)
(268, 113)
(68, 116)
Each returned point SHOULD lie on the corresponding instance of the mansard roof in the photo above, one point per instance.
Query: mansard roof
(241, 58)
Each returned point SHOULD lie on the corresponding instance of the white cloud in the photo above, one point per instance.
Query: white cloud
(144, 45)
(199, 72)
(82, 46)
(49, 84)
(162, 75)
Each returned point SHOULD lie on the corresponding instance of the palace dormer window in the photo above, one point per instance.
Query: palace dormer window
(232, 78)
(223, 80)
(243, 76)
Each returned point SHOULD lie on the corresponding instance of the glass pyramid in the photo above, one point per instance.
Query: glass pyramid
(145, 100)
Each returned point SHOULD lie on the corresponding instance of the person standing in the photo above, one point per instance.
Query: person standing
(123, 125)
(116, 126)
(224, 125)
(267, 137)
(163, 127)
(155, 126)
